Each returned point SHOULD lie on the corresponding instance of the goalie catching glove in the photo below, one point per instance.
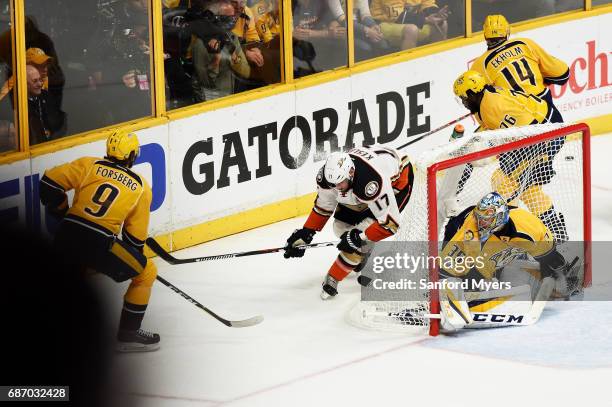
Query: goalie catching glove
(298, 237)
(350, 241)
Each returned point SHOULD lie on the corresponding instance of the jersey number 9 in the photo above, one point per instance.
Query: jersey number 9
(103, 204)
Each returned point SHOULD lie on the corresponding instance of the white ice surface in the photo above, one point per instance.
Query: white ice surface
(306, 354)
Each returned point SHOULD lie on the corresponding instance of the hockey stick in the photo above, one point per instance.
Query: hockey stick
(429, 133)
(157, 249)
(233, 324)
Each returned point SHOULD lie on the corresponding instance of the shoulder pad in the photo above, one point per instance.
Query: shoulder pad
(367, 182)
(321, 181)
(456, 222)
(128, 171)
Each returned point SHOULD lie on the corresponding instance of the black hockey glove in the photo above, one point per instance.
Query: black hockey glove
(553, 265)
(350, 241)
(297, 238)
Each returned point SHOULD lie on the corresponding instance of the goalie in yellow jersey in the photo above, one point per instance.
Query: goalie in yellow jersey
(108, 197)
(524, 172)
(518, 64)
(496, 235)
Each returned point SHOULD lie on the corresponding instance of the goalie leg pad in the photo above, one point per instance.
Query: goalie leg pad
(454, 309)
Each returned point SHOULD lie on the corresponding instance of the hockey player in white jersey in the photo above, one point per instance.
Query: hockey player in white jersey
(365, 190)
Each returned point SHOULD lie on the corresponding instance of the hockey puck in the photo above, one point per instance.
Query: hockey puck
(569, 158)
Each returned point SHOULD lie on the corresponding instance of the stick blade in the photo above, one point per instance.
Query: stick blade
(157, 249)
(247, 322)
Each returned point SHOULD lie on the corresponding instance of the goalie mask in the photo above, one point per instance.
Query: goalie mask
(491, 214)
(338, 168)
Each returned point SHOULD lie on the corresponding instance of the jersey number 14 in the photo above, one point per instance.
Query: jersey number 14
(521, 74)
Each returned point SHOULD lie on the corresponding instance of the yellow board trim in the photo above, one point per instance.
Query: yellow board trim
(236, 223)
(19, 48)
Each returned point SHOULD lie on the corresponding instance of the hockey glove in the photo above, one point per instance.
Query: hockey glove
(553, 265)
(59, 211)
(350, 241)
(297, 238)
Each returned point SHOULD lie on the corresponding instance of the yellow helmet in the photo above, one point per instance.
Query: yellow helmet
(469, 80)
(496, 26)
(122, 146)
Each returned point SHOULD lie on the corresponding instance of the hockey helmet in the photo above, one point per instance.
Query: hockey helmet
(339, 167)
(123, 146)
(469, 81)
(496, 29)
(491, 214)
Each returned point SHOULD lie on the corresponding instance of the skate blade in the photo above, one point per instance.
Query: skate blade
(325, 296)
(128, 347)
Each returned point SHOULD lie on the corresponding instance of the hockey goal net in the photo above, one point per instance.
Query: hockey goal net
(516, 162)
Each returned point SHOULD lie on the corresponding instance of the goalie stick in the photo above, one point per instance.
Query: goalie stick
(233, 324)
(157, 249)
(490, 319)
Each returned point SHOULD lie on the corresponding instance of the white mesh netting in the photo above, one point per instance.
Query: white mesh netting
(544, 178)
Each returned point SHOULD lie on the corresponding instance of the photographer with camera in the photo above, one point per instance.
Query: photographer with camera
(119, 62)
(215, 55)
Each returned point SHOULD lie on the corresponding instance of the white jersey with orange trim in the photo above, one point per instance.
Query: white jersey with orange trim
(380, 173)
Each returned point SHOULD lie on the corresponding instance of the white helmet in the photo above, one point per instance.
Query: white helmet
(338, 167)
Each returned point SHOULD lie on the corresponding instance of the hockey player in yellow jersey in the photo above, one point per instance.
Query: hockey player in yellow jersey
(495, 108)
(521, 174)
(518, 64)
(108, 198)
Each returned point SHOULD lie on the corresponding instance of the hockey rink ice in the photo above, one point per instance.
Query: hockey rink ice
(305, 353)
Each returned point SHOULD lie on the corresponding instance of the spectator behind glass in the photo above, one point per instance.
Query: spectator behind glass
(514, 10)
(40, 46)
(177, 57)
(55, 116)
(8, 135)
(121, 69)
(406, 24)
(456, 13)
(268, 25)
(35, 39)
(247, 33)
(263, 56)
(216, 57)
(319, 40)
(369, 41)
(40, 130)
(267, 20)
